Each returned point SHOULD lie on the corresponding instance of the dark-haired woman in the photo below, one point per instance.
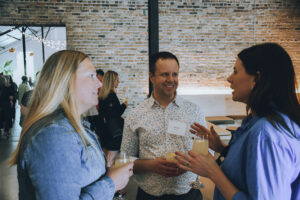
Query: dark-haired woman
(263, 157)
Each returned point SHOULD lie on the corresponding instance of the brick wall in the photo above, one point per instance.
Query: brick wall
(206, 35)
(113, 33)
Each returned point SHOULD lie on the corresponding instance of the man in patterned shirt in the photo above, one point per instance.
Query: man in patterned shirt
(159, 125)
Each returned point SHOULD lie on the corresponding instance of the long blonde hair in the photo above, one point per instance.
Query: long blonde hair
(55, 87)
(108, 84)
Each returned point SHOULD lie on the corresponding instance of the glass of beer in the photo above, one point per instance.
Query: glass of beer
(200, 146)
(170, 156)
(121, 160)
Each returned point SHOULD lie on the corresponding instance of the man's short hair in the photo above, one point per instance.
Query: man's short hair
(24, 78)
(160, 55)
(100, 72)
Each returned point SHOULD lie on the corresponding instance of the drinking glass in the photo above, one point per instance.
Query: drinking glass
(170, 156)
(200, 146)
(121, 160)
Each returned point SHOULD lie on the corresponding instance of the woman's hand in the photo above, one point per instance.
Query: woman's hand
(121, 175)
(206, 166)
(215, 143)
(110, 157)
(197, 163)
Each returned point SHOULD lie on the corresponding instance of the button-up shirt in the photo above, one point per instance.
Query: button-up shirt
(54, 163)
(264, 162)
(145, 135)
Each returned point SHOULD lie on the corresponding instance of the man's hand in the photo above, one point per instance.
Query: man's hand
(166, 168)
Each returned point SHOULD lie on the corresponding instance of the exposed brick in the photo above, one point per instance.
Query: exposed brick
(206, 35)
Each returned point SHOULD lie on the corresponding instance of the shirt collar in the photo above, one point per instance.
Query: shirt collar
(177, 101)
(247, 123)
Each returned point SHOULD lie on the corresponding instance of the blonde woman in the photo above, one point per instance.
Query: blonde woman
(110, 110)
(58, 157)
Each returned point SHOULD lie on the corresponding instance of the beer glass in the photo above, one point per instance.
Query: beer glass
(200, 146)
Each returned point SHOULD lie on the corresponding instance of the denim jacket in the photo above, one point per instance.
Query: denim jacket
(54, 164)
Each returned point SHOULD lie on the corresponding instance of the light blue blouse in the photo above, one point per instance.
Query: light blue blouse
(263, 162)
(54, 164)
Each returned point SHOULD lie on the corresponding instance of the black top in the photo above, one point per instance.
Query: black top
(109, 108)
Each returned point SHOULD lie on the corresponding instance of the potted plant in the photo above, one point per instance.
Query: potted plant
(6, 69)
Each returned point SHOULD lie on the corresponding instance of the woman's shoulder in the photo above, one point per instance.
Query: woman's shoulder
(57, 127)
(59, 130)
(112, 95)
(264, 130)
(49, 135)
(109, 97)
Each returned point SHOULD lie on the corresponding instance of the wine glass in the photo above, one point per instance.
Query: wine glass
(200, 146)
(121, 160)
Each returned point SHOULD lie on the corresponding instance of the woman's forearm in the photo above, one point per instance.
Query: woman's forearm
(225, 186)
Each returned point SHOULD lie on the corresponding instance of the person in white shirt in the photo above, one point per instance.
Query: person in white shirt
(150, 132)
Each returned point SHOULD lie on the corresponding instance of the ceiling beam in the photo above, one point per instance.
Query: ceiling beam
(13, 37)
(8, 31)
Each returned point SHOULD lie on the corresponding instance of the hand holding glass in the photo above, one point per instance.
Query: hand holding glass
(171, 157)
(121, 160)
(200, 146)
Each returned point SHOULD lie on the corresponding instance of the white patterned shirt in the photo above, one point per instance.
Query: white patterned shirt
(145, 136)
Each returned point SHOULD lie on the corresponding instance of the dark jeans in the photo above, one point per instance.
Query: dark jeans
(193, 194)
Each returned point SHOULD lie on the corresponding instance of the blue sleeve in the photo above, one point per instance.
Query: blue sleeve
(56, 169)
(268, 170)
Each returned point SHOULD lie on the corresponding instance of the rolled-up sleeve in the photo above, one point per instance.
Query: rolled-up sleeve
(54, 164)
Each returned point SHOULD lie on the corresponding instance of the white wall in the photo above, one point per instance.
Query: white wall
(217, 104)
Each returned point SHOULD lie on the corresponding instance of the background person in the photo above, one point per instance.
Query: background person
(110, 111)
(23, 87)
(25, 100)
(4, 102)
(58, 157)
(24, 105)
(6, 106)
(100, 75)
(263, 159)
(92, 114)
(13, 89)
